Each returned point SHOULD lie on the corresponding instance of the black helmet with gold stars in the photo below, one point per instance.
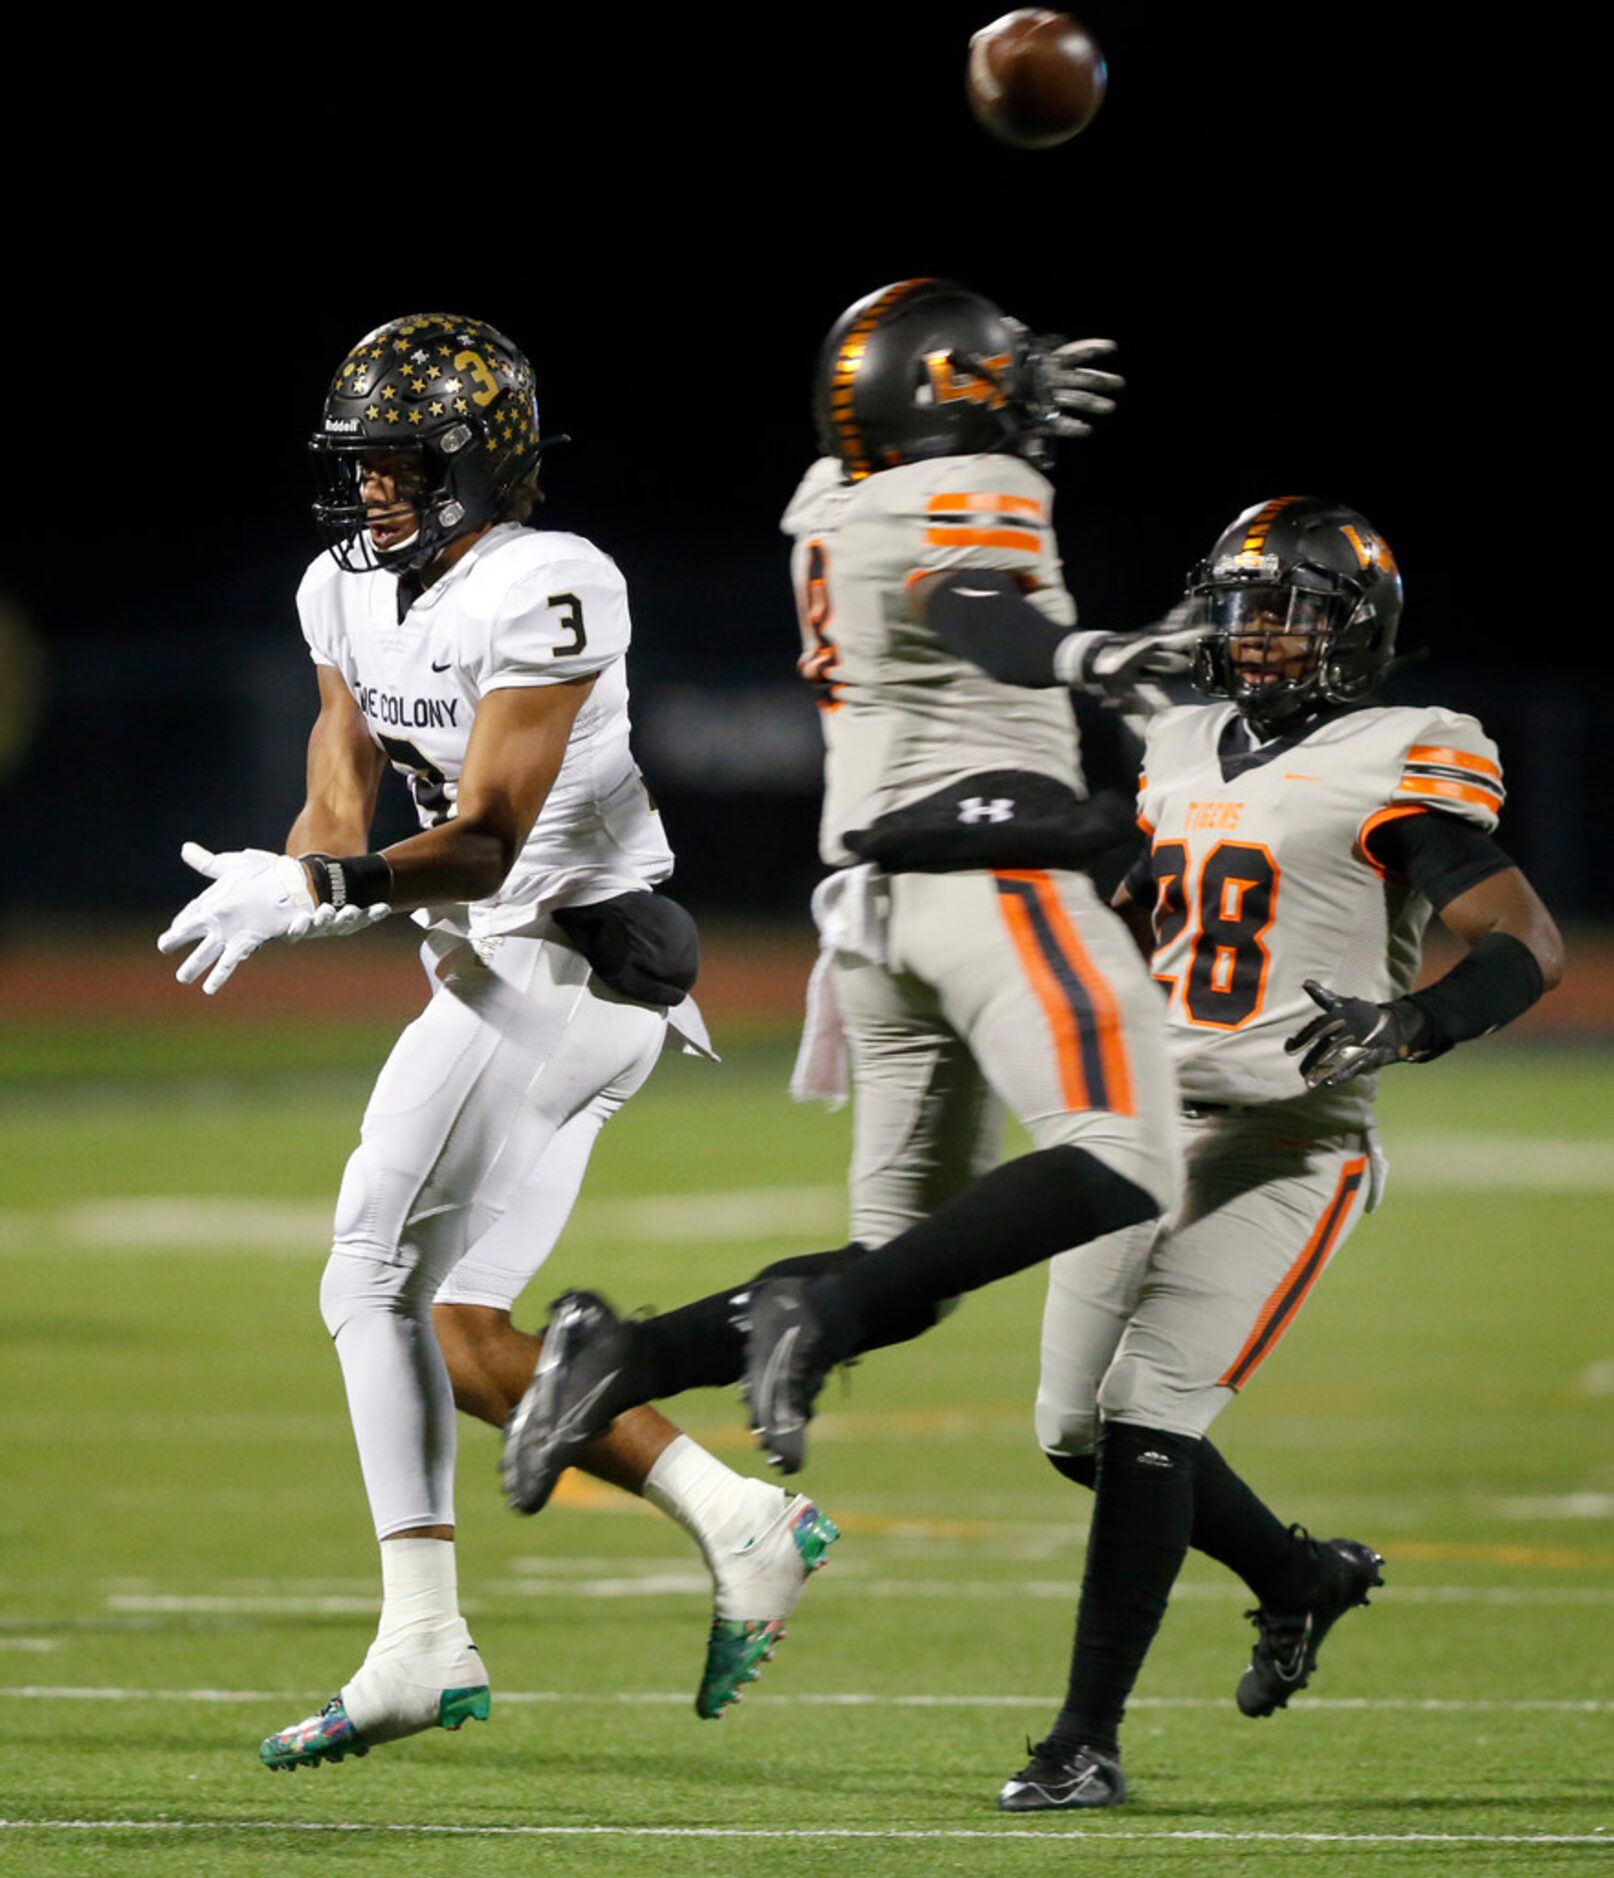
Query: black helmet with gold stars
(452, 394)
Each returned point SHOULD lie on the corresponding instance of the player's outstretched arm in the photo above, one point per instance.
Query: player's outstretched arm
(983, 615)
(1515, 955)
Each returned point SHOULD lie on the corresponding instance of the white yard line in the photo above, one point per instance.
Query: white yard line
(1555, 1506)
(1063, 1833)
(692, 1584)
(1423, 1163)
(679, 1698)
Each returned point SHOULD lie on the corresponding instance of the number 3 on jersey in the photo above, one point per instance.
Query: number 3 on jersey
(1232, 907)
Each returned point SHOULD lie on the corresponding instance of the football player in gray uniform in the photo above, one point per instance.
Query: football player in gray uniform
(485, 661)
(1300, 836)
(968, 964)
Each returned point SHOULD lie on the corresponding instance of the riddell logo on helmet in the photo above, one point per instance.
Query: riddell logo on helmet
(342, 423)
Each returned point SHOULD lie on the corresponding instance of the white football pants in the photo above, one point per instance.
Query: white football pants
(473, 1148)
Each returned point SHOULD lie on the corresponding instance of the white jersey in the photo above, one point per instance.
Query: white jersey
(903, 716)
(1262, 879)
(522, 607)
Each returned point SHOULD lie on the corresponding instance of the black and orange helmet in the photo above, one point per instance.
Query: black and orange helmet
(1297, 567)
(922, 368)
(454, 392)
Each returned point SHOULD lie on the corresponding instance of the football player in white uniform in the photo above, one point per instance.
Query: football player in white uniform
(968, 963)
(1300, 836)
(485, 660)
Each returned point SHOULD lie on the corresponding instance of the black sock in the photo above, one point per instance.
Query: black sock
(1142, 1513)
(1241, 1532)
(697, 1346)
(1013, 1217)
(1235, 1528)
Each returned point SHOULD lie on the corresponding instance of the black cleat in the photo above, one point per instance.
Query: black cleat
(572, 1398)
(783, 1368)
(1287, 1642)
(1054, 1782)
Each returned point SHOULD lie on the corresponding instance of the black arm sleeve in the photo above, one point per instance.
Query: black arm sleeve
(1495, 981)
(1440, 855)
(985, 618)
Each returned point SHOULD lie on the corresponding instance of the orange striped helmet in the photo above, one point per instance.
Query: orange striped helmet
(922, 368)
(1295, 569)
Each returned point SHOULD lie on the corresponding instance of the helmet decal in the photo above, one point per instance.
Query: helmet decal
(949, 381)
(1371, 550)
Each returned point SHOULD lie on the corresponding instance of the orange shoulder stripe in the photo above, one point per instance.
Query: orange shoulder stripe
(984, 538)
(1453, 759)
(985, 501)
(1453, 791)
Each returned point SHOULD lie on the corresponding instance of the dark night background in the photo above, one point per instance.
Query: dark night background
(1344, 250)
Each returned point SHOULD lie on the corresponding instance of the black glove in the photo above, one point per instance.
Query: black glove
(1356, 1037)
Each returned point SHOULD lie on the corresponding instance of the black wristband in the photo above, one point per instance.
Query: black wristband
(1495, 981)
(354, 880)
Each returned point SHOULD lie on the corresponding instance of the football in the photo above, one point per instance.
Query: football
(1035, 78)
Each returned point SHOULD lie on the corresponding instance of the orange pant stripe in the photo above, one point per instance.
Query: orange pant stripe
(1082, 1012)
(1278, 1313)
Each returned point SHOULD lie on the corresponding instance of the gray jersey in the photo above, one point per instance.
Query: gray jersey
(903, 717)
(1263, 879)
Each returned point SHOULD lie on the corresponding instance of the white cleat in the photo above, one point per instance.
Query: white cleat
(758, 1583)
(389, 1697)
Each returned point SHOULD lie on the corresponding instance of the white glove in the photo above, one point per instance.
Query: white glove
(330, 922)
(256, 896)
(1075, 386)
(1115, 664)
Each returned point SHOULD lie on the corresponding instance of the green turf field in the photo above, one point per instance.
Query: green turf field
(186, 1562)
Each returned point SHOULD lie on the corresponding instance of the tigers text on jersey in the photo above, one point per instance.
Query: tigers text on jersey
(522, 607)
(904, 717)
(1262, 881)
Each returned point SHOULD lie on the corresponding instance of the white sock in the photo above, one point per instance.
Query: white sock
(420, 1610)
(717, 1507)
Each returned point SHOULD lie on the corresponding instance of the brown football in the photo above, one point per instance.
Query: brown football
(1035, 78)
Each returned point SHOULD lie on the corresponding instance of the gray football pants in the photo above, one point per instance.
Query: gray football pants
(1163, 1323)
(1015, 991)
